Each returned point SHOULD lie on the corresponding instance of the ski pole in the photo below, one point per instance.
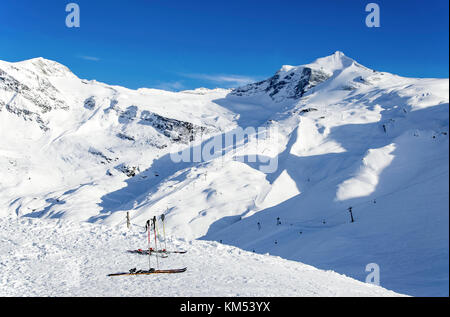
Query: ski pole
(164, 232)
(156, 243)
(149, 246)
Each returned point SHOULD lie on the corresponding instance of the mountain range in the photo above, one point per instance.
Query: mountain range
(346, 136)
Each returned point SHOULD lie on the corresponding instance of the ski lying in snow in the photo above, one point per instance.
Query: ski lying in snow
(146, 252)
(149, 272)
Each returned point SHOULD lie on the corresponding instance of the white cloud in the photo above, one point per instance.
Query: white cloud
(89, 58)
(224, 79)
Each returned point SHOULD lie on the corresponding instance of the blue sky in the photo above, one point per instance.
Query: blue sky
(188, 44)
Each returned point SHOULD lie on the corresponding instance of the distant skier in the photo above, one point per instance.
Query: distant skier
(259, 226)
(278, 221)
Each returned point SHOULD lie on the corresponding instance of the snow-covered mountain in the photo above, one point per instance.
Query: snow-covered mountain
(347, 136)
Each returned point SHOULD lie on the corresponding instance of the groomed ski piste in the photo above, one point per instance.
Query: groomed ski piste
(54, 258)
(76, 156)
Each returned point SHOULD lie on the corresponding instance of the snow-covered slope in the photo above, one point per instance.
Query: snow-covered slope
(371, 141)
(49, 258)
(346, 136)
(65, 136)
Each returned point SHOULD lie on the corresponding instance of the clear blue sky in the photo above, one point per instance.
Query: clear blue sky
(186, 44)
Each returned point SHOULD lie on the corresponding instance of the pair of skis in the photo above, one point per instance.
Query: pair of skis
(149, 272)
(150, 251)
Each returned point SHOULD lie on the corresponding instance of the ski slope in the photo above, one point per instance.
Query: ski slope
(84, 152)
(51, 258)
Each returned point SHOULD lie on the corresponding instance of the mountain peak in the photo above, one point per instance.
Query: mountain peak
(336, 61)
(45, 66)
(294, 81)
(329, 64)
(338, 54)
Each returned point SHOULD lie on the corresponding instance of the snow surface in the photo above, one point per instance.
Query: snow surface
(50, 258)
(85, 152)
